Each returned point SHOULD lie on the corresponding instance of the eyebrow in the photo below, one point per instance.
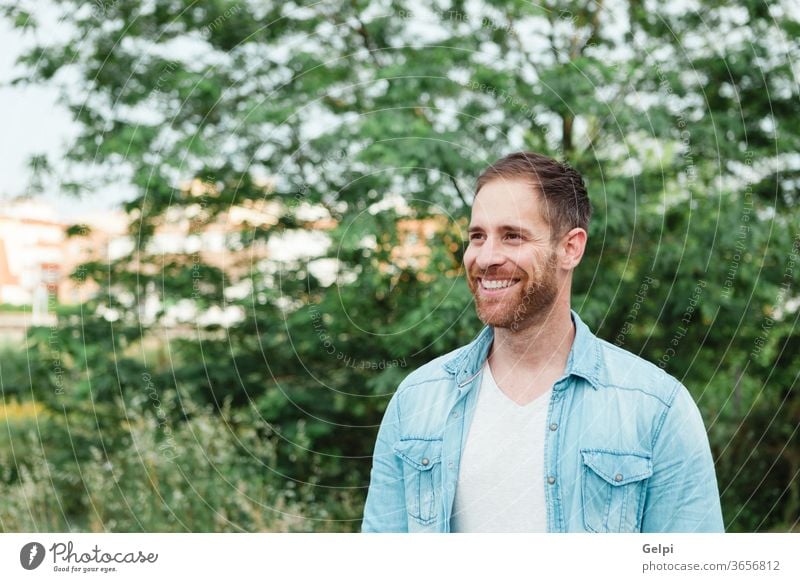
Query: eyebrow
(503, 227)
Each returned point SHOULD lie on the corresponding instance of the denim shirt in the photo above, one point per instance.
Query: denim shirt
(625, 446)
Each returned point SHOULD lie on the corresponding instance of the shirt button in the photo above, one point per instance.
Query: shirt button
(551, 480)
(450, 465)
(425, 462)
(553, 426)
(456, 414)
(617, 477)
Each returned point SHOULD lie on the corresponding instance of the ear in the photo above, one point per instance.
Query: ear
(571, 248)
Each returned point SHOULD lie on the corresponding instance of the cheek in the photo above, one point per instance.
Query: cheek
(529, 256)
(469, 256)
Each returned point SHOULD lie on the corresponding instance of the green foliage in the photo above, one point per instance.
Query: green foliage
(682, 123)
(211, 473)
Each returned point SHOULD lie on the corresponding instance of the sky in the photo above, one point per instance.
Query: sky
(33, 122)
(30, 117)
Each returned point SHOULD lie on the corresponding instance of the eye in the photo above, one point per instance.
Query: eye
(475, 236)
(514, 236)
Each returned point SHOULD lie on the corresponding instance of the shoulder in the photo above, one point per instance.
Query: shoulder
(433, 371)
(423, 398)
(623, 370)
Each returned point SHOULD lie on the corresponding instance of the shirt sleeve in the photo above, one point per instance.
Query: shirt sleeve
(682, 494)
(385, 509)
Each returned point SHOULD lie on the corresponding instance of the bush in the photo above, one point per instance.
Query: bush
(208, 474)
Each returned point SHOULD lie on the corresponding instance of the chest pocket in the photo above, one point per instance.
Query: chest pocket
(422, 473)
(613, 486)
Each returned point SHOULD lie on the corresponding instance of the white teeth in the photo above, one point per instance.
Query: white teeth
(497, 284)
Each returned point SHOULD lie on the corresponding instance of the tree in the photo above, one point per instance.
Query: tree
(371, 113)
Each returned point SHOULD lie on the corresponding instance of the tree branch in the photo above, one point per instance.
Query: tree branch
(458, 191)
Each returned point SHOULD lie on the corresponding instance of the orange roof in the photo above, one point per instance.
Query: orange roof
(32, 221)
(6, 278)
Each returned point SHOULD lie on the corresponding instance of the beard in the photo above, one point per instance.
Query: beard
(530, 303)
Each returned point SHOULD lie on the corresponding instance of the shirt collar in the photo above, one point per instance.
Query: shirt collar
(583, 360)
(584, 357)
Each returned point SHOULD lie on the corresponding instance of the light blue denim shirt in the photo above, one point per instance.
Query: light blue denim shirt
(625, 446)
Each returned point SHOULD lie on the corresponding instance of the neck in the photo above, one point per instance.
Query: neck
(542, 346)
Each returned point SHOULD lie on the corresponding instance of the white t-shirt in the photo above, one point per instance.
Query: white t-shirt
(501, 480)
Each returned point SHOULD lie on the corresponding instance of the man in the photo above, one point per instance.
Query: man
(538, 425)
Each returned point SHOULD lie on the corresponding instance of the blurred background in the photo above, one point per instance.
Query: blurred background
(229, 229)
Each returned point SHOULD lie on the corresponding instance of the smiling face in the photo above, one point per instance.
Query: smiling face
(511, 264)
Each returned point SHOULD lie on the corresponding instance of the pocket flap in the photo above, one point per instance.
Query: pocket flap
(618, 468)
(422, 454)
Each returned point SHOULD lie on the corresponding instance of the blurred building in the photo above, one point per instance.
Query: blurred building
(37, 256)
(40, 254)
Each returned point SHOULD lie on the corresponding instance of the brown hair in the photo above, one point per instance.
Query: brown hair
(560, 185)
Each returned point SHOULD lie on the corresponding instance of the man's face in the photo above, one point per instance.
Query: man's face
(510, 261)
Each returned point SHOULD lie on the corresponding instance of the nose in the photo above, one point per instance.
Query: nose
(489, 254)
